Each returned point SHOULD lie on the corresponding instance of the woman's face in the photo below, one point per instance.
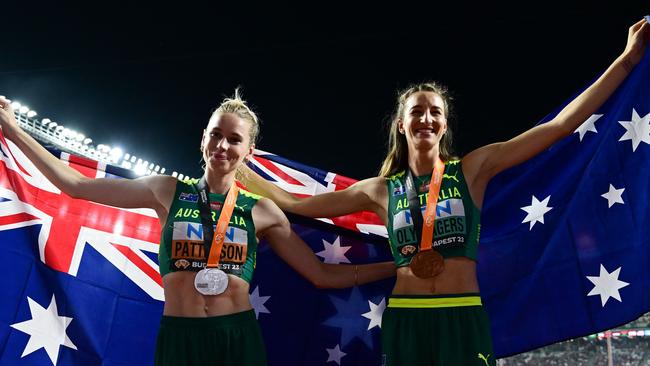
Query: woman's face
(423, 122)
(226, 142)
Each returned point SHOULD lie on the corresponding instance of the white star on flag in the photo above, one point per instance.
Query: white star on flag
(375, 313)
(46, 330)
(335, 354)
(536, 211)
(607, 285)
(334, 253)
(257, 302)
(613, 195)
(637, 130)
(588, 125)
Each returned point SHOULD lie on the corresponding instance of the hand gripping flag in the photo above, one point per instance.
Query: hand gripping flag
(566, 236)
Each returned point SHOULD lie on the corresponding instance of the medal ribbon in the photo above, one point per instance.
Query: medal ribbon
(214, 247)
(425, 229)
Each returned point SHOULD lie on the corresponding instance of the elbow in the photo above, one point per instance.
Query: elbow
(319, 279)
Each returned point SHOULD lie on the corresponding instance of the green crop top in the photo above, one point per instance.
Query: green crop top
(457, 225)
(181, 242)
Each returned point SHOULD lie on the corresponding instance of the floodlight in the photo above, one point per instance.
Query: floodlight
(45, 121)
(162, 171)
(174, 174)
(157, 168)
(140, 170)
(87, 141)
(23, 109)
(31, 114)
(15, 105)
(116, 153)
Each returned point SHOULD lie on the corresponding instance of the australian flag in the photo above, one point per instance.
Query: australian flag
(565, 245)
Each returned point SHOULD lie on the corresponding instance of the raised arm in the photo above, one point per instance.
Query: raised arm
(146, 192)
(482, 164)
(274, 226)
(365, 195)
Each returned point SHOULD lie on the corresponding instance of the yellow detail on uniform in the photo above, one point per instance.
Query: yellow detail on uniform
(187, 212)
(195, 214)
(443, 302)
(448, 193)
(249, 194)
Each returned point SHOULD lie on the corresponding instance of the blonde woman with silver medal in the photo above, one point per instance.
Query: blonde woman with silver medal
(206, 271)
(434, 315)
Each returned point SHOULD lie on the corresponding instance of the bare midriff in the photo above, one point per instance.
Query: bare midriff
(459, 276)
(183, 300)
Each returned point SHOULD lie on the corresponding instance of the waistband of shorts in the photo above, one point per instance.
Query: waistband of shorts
(211, 322)
(434, 301)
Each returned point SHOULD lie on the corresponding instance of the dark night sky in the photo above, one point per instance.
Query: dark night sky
(322, 77)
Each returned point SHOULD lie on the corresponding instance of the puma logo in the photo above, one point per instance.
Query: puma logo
(451, 176)
(484, 358)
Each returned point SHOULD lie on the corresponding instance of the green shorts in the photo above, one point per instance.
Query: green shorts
(226, 340)
(443, 330)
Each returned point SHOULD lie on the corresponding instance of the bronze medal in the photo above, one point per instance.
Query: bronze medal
(427, 264)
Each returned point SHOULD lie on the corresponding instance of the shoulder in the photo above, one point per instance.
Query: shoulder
(371, 184)
(159, 183)
(267, 214)
(250, 195)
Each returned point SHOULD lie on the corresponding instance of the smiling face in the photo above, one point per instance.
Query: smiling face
(423, 121)
(226, 142)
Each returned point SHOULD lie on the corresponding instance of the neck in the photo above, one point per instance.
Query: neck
(421, 162)
(219, 183)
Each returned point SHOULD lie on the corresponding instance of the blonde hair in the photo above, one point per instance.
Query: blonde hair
(236, 105)
(397, 157)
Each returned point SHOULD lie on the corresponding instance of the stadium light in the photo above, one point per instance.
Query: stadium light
(181, 176)
(87, 141)
(127, 156)
(15, 105)
(52, 125)
(45, 121)
(31, 114)
(174, 174)
(23, 109)
(80, 137)
(116, 153)
(132, 159)
(162, 171)
(140, 170)
(157, 168)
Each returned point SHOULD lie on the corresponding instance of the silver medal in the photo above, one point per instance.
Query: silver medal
(211, 281)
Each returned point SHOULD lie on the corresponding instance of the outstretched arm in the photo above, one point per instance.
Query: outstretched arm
(146, 192)
(365, 195)
(273, 225)
(482, 164)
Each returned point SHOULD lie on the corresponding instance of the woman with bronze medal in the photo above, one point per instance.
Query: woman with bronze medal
(207, 316)
(434, 315)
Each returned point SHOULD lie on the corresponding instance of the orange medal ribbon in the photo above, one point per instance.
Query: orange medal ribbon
(222, 226)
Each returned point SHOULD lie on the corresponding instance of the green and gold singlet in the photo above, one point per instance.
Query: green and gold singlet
(457, 225)
(181, 243)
